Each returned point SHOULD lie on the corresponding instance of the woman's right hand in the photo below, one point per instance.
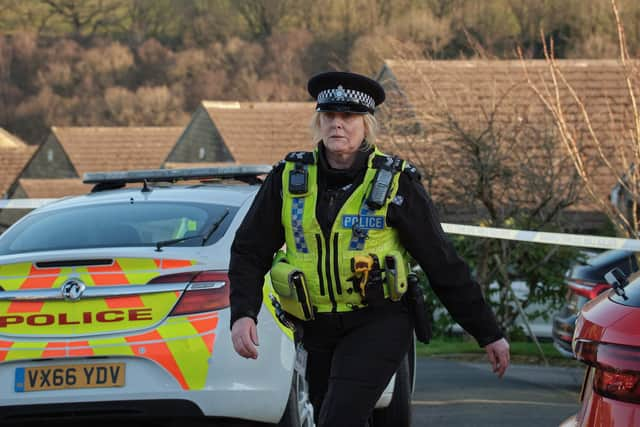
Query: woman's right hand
(244, 335)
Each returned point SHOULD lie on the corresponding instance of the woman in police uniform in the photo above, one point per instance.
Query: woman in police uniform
(341, 206)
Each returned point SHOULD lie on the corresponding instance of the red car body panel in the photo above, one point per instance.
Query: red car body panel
(605, 321)
(600, 411)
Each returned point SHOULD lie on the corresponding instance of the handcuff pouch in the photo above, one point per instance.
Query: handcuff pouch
(290, 285)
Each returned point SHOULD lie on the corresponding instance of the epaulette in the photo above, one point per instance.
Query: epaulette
(304, 157)
(412, 171)
(387, 162)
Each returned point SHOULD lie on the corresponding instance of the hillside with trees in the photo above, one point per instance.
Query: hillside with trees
(150, 62)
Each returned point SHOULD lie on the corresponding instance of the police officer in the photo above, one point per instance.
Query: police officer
(343, 200)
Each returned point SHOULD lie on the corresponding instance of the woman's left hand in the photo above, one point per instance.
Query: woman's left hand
(498, 352)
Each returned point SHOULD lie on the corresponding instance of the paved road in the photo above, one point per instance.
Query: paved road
(454, 393)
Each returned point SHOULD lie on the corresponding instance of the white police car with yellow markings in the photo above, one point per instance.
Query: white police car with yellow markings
(116, 302)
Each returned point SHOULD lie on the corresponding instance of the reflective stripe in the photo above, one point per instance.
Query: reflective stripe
(194, 366)
(336, 269)
(94, 292)
(25, 350)
(358, 239)
(205, 327)
(327, 270)
(115, 299)
(38, 279)
(297, 209)
(111, 347)
(5, 347)
(152, 346)
(55, 349)
(182, 346)
(175, 263)
(320, 254)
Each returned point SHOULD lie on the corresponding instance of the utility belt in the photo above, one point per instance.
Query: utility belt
(374, 283)
(291, 287)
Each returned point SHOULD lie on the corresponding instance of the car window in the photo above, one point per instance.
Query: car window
(116, 224)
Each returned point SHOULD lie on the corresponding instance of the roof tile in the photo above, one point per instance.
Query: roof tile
(262, 132)
(103, 149)
(37, 188)
(14, 156)
(470, 90)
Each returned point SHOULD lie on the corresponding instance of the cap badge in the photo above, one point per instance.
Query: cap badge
(340, 94)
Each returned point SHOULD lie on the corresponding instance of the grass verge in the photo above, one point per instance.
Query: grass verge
(464, 348)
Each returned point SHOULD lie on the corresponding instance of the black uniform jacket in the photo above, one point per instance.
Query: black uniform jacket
(262, 234)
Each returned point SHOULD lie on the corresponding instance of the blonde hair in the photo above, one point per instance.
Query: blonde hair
(370, 129)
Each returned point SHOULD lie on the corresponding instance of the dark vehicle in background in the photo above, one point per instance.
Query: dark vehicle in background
(585, 281)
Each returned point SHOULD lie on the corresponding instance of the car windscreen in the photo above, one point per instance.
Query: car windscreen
(117, 225)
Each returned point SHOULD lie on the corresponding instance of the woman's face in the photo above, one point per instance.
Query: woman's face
(342, 133)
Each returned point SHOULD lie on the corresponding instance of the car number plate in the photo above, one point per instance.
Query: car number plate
(58, 377)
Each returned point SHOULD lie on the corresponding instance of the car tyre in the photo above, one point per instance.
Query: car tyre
(299, 411)
(398, 413)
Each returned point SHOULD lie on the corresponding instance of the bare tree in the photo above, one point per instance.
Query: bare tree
(615, 145)
(86, 17)
(264, 16)
(491, 160)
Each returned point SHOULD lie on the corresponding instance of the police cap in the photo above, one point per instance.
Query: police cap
(345, 92)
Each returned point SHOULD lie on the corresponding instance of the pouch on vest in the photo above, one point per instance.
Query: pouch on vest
(289, 283)
(418, 310)
(395, 275)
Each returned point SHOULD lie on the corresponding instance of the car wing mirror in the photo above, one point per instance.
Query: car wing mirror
(618, 280)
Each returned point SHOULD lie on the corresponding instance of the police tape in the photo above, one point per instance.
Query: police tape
(577, 240)
(24, 203)
(563, 239)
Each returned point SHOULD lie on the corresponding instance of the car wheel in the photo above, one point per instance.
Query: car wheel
(299, 411)
(398, 413)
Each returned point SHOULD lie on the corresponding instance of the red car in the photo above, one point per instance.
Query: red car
(607, 340)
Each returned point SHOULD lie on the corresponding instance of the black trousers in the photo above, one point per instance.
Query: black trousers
(351, 358)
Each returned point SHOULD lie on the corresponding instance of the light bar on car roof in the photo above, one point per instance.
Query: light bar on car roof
(172, 175)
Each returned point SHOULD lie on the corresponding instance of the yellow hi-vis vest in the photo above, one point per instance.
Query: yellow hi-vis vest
(325, 261)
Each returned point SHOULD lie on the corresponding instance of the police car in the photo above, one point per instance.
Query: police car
(116, 303)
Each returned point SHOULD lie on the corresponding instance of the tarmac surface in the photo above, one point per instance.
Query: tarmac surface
(457, 393)
(451, 393)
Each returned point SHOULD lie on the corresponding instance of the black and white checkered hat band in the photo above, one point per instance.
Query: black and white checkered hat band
(340, 95)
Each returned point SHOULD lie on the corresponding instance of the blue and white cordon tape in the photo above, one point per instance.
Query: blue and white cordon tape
(577, 240)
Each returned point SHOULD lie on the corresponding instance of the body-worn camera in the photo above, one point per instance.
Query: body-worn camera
(380, 189)
(298, 181)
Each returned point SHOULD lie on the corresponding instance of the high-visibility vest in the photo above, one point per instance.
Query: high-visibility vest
(357, 230)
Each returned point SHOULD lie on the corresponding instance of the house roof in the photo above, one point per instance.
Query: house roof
(14, 156)
(425, 91)
(262, 132)
(93, 149)
(37, 188)
(8, 140)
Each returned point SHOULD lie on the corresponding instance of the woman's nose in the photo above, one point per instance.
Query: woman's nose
(337, 121)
